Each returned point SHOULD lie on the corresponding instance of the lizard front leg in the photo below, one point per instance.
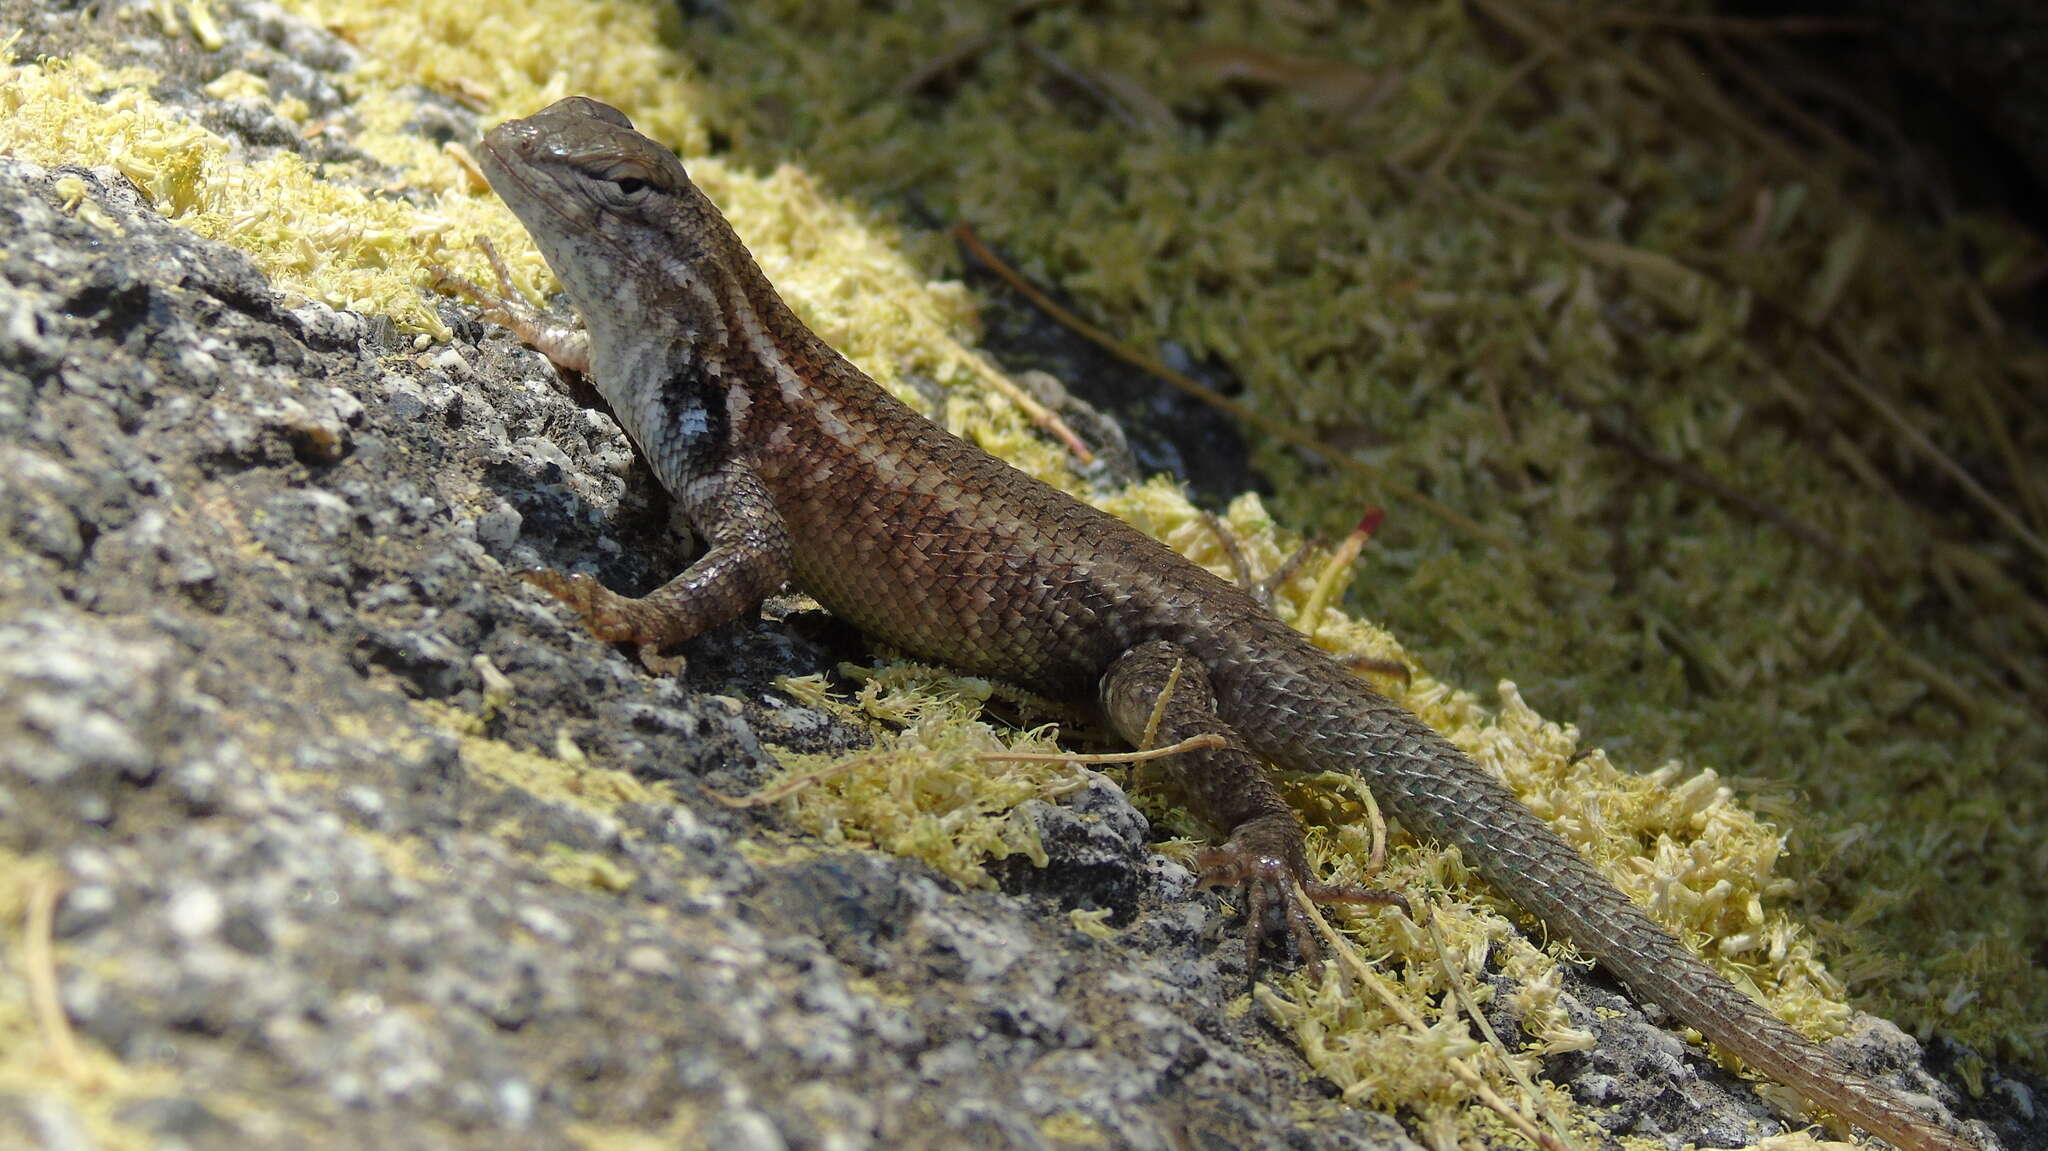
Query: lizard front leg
(748, 553)
(1158, 693)
(567, 346)
(746, 560)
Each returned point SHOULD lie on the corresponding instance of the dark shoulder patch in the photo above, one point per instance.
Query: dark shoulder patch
(698, 420)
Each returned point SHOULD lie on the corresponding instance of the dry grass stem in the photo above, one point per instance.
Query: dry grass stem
(39, 964)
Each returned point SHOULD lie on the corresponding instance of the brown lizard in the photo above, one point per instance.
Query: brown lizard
(793, 465)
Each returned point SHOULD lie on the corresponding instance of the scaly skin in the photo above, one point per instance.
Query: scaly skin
(793, 465)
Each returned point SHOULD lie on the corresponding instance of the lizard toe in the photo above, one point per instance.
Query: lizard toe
(1267, 877)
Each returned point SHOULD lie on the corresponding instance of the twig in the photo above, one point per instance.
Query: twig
(1277, 578)
(794, 784)
(1653, 79)
(1845, 450)
(964, 53)
(1191, 743)
(1363, 974)
(1240, 567)
(1738, 26)
(1041, 417)
(1341, 559)
(1159, 706)
(1989, 575)
(1376, 860)
(1457, 979)
(1808, 85)
(1612, 433)
(1508, 82)
(1359, 969)
(1085, 84)
(1773, 97)
(1970, 705)
(1911, 433)
(1994, 421)
(1260, 587)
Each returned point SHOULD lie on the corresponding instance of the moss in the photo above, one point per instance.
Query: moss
(587, 870)
(317, 239)
(1093, 924)
(684, 1129)
(1709, 868)
(928, 788)
(570, 780)
(1073, 1129)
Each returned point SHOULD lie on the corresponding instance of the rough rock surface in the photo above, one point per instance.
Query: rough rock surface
(339, 889)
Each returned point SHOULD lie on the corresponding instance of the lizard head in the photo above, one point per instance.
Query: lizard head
(632, 240)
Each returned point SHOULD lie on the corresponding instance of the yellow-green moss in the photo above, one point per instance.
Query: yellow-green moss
(600, 789)
(588, 870)
(1073, 1129)
(685, 1128)
(927, 788)
(1093, 924)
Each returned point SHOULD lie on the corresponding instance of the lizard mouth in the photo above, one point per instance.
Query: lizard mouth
(498, 157)
(503, 156)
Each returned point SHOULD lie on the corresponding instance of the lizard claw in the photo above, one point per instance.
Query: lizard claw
(590, 600)
(1269, 863)
(501, 305)
(608, 615)
(566, 346)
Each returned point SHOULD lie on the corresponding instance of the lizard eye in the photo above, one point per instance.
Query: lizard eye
(626, 184)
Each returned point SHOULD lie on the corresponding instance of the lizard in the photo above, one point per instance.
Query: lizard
(793, 466)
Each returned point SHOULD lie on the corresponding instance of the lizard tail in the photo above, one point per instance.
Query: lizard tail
(1435, 790)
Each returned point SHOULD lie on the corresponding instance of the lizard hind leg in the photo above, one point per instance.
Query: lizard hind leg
(1158, 693)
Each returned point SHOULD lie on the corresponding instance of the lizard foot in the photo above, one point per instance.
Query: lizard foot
(565, 345)
(502, 306)
(1266, 860)
(611, 617)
